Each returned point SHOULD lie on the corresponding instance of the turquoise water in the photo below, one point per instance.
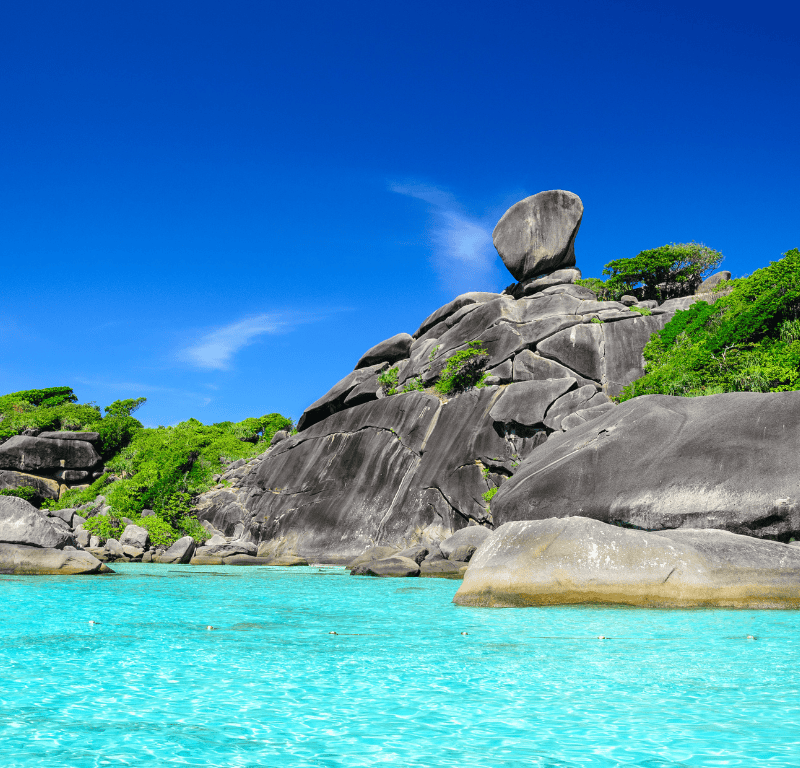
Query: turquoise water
(399, 685)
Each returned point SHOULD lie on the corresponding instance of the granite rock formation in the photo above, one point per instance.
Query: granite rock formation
(406, 471)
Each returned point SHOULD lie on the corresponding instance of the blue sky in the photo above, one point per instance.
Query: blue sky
(221, 206)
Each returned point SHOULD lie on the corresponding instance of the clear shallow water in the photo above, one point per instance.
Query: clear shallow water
(399, 685)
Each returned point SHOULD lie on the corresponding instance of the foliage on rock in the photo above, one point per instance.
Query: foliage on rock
(746, 341)
(463, 369)
(388, 381)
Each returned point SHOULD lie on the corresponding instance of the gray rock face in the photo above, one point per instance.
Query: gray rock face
(440, 569)
(135, 536)
(22, 523)
(281, 434)
(579, 348)
(333, 400)
(526, 402)
(710, 283)
(537, 234)
(398, 470)
(180, 552)
(579, 560)
(532, 367)
(23, 560)
(441, 314)
(579, 399)
(37, 453)
(389, 351)
(609, 354)
(726, 461)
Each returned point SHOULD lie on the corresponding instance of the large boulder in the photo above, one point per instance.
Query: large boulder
(537, 234)
(24, 560)
(579, 560)
(389, 351)
(31, 454)
(180, 552)
(656, 462)
(22, 523)
(135, 536)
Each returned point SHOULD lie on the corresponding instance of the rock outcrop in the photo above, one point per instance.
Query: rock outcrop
(410, 469)
(656, 462)
(579, 560)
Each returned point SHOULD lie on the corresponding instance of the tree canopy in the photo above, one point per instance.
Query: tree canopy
(661, 273)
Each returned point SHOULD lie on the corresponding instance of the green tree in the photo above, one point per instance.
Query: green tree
(661, 273)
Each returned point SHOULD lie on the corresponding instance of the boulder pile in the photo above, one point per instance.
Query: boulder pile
(33, 544)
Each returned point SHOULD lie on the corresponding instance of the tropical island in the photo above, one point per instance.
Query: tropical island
(648, 421)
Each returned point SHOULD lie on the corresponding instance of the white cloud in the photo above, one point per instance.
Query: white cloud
(216, 349)
(463, 253)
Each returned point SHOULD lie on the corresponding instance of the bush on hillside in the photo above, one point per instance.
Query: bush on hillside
(746, 341)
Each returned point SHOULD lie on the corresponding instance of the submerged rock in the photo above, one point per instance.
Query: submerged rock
(578, 560)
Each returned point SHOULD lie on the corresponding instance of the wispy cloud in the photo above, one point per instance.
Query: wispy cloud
(463, 253)
(216, 349)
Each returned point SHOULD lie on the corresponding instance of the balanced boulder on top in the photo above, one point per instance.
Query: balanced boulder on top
(537, 234)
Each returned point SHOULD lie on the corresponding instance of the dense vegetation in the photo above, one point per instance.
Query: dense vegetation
(660, 273)
(161, 469)
(746, 341)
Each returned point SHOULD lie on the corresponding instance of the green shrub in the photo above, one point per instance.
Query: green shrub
(105, 527)
(388, 381)
(76, 497)
(489, 495)
(23, 492)
(597, 321)
(641, 310)
(463, 369)
(748, 340)
(596, 285)
(414, 385)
